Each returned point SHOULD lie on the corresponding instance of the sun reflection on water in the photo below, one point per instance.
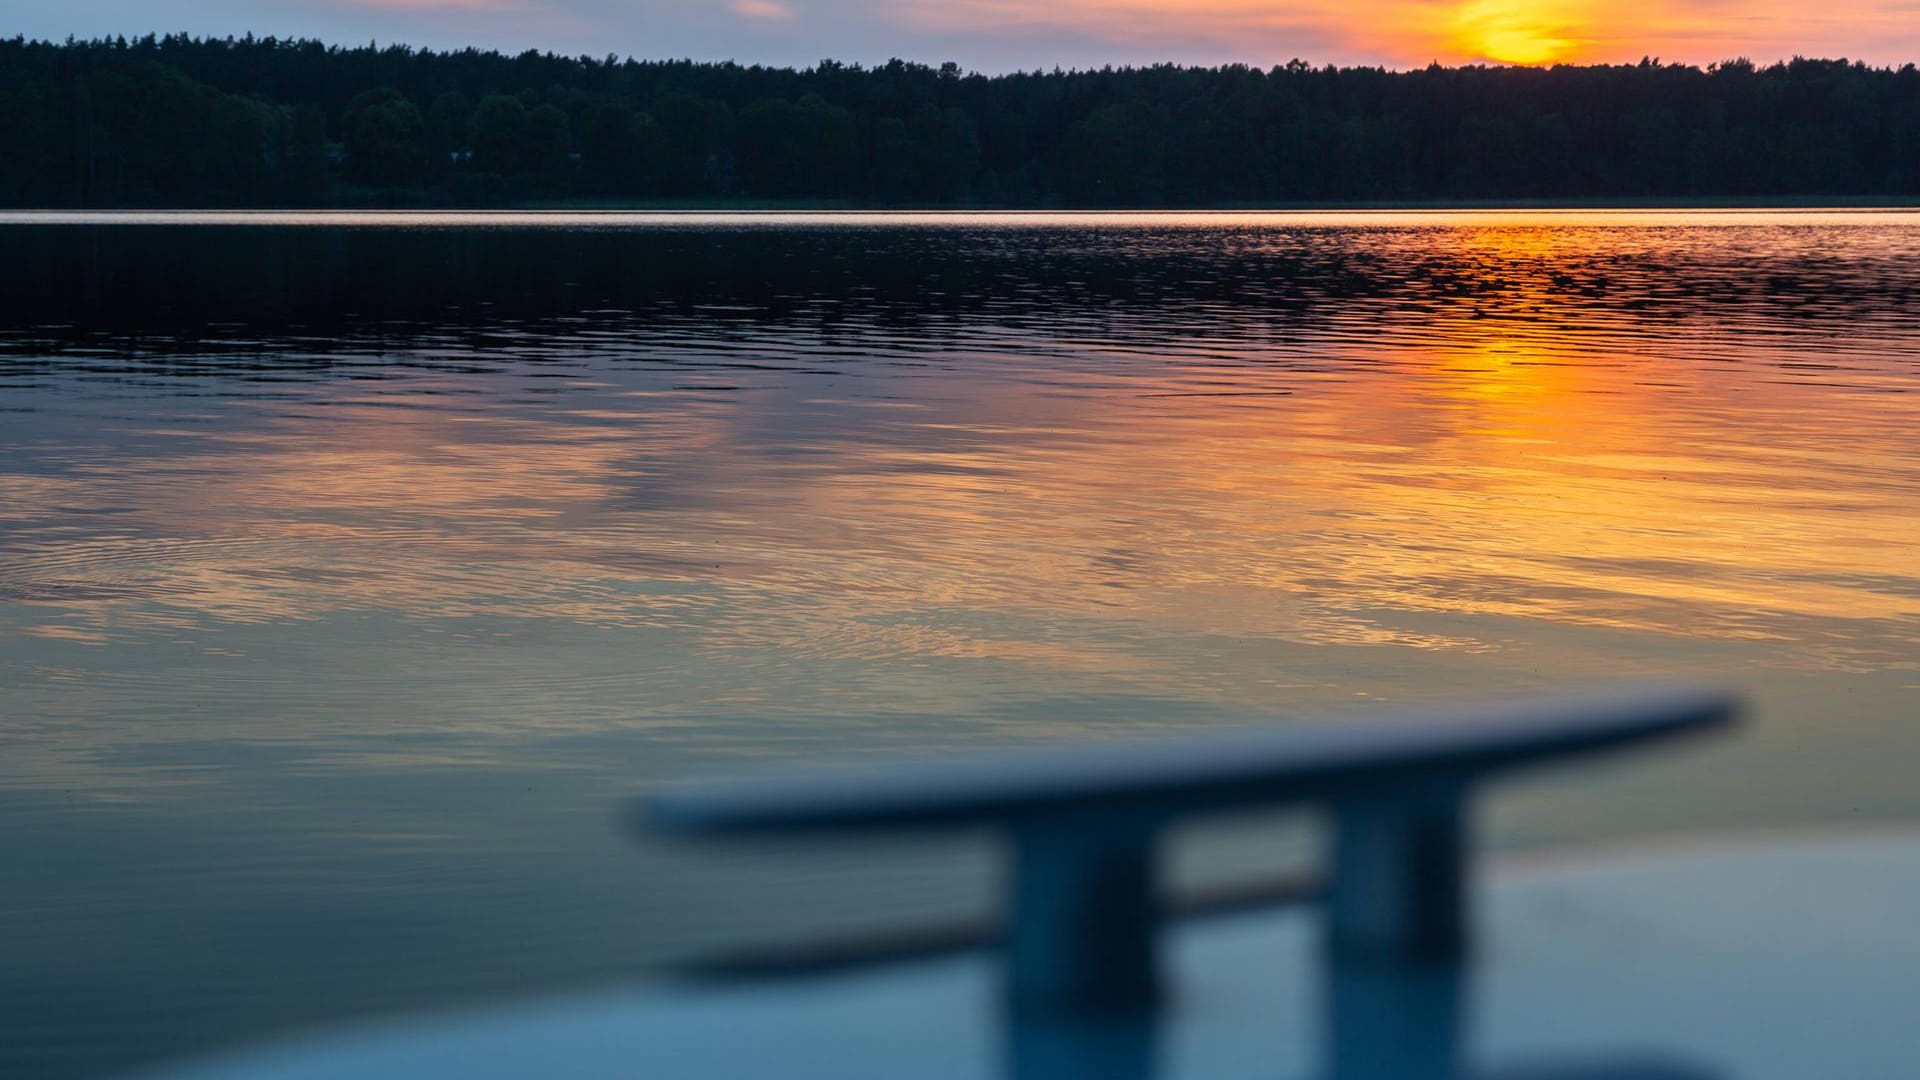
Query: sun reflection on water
(363, 621)
(1499, 438)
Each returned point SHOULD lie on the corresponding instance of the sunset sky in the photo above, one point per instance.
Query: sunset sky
(998, 35)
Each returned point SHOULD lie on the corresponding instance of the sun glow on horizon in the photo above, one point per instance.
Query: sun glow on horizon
(1003, 36)
(1517, 31)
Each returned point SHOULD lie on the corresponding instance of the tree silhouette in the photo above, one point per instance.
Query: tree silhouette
(252, 121)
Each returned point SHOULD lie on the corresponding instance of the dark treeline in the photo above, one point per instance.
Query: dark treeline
(180, 121)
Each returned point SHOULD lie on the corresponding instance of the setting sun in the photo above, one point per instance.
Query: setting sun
(1516, 32)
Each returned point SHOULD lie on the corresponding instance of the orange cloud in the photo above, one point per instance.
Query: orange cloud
(760, 9)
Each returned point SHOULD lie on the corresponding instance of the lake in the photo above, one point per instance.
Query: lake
(355, 567)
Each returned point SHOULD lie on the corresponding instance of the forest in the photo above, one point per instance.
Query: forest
(180, 121)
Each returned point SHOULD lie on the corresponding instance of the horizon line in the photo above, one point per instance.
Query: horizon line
(1292, 64)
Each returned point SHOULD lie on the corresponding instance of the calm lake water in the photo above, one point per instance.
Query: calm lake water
(353, 567)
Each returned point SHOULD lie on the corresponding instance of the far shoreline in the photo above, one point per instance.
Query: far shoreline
(1809, 202)
(796, 206)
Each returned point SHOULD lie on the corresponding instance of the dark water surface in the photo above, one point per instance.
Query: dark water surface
(353, 567)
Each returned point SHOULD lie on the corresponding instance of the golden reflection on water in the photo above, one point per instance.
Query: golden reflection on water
(1238, 513)
(1488, 473)
(359, 625)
